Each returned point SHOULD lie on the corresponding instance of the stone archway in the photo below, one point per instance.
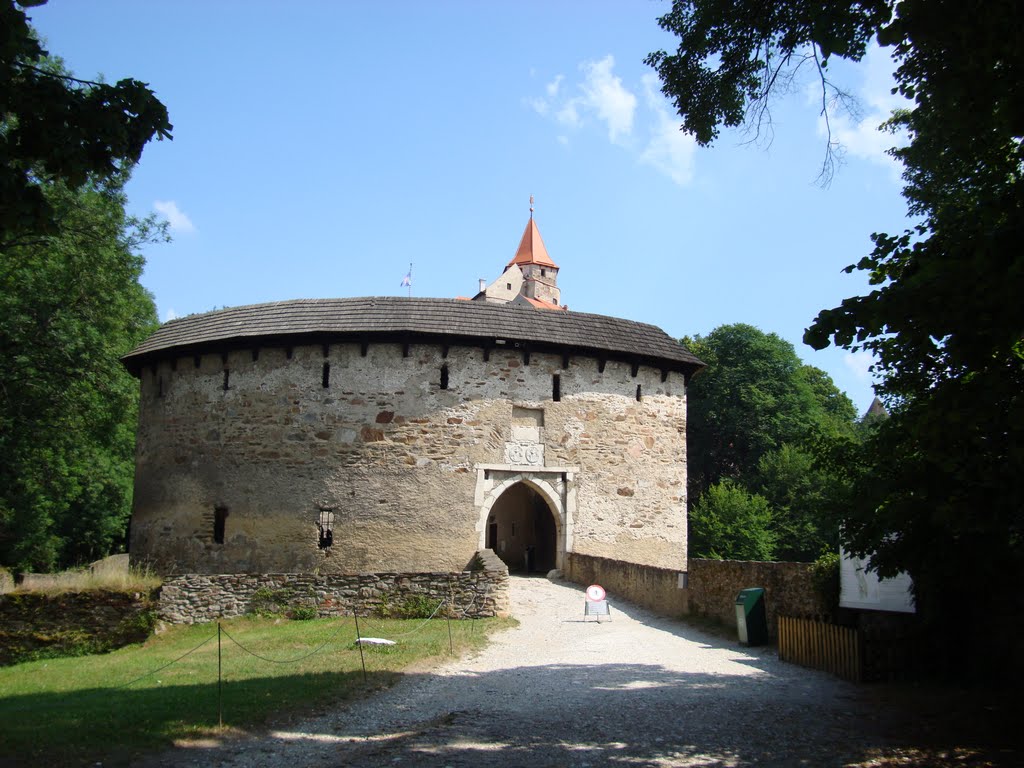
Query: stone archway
(522, 530)
(526, 517)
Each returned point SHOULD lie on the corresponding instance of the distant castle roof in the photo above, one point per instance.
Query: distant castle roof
(531, 248)
(415, 320)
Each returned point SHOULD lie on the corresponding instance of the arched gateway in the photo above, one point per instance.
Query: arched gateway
(525, 515)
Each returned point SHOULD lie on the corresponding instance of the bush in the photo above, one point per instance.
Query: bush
(728, 523)
(417, 607)
(825, 577)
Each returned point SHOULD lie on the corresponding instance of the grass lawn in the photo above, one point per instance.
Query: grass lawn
(115, 706)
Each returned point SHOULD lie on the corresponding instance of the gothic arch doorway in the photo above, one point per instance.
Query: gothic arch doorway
(522, 530)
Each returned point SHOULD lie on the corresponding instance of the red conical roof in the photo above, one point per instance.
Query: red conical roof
(531, 248)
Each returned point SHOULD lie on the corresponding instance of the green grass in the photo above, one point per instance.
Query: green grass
(83, 710)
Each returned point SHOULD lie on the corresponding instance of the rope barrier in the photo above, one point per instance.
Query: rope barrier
(422, 623)
(165, 666)
(316, 650)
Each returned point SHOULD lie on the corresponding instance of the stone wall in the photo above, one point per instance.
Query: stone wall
(71, 623)
(714, 584)
(711, 586)
(196, 598)
(658, 589)
(398, 443)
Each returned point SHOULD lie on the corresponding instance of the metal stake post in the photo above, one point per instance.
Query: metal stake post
(359, 642)
(220, 687)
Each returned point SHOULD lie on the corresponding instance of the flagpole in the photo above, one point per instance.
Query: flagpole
(410, 279)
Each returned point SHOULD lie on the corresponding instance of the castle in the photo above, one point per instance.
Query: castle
(401, 434)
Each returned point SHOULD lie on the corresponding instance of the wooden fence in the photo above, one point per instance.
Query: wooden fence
(818, 645)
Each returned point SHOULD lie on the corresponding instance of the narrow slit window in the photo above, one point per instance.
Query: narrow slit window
(444, 377)
(556, 388)
(325, 378)
(160, 387)
(227, 379)
(639, 394)
(326, 527)
(220, 517)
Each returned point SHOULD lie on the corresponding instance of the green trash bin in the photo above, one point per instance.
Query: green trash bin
(751, 619)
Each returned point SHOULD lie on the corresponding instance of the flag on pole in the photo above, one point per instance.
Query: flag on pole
(407, 280)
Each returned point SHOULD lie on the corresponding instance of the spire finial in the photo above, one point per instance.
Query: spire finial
(531, 206)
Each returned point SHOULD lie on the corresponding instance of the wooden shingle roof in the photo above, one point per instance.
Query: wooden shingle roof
(414, 320)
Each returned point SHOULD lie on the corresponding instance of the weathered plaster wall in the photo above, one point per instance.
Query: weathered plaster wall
(397, 457)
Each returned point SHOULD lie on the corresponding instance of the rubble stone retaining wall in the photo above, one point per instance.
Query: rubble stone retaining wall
(655, 588)
(196, 598)
(789, 590)
(708, 588)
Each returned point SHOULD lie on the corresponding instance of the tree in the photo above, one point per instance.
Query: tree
(729, 523)
(70, 301)
(754, 396)
(767, 423)
(54, 127)
(942, 489)
(69, 308)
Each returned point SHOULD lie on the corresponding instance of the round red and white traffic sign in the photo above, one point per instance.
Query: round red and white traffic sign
(595, 593)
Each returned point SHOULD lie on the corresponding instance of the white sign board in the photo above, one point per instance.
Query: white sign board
(861, 588)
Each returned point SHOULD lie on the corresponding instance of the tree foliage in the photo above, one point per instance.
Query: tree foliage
(760, 418)
(730, 523)
(54, 127)
(941, 489)
(70, 301)
(70, 306)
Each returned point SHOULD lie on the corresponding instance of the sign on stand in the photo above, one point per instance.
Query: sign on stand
(596, 604)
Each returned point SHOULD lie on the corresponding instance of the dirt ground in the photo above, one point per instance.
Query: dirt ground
(633, 690)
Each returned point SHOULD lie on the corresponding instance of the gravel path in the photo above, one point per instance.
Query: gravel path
(638, 690)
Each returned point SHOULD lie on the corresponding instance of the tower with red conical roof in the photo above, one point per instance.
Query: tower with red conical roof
(530, 277)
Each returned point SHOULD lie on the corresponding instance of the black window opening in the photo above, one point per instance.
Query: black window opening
(556, 388)
(227, 379)
(325, 378)
(326, 526)
(220, 517)
(444, 376)
(639, 395)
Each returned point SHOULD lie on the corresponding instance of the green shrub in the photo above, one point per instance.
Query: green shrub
(417, 607)
(825, 577)
(303, 612)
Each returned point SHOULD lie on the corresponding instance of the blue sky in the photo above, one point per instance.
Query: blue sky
(321, 147)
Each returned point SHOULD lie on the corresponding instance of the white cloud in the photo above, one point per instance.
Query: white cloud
(669, 150)
(553, 86)
(601, 98)
(177, 218)
(605, 94)
(170, 314)
(860, 364)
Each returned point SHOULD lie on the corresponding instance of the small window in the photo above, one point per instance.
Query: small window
(444, 377)
(220, 517)
(160, 387)
(326, 526)
(543, 272)
(227, 379)
(325, 378)
(556, 388)
(508, 286)
(639, 395)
